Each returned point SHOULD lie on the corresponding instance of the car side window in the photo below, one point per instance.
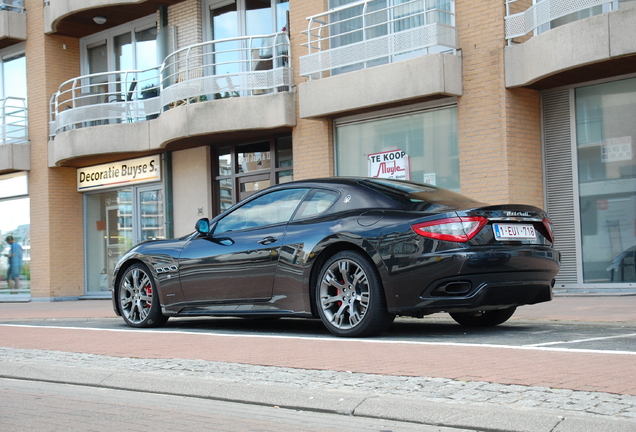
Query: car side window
(270, 209)
(316, 204)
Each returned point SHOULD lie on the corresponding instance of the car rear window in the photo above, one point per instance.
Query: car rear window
(415, 192)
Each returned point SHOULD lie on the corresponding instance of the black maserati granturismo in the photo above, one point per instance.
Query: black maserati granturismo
(354, 252)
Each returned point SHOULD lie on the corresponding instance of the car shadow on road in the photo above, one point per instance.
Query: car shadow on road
(436, 330)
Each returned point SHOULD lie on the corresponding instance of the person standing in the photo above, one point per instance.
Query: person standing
(15, 264)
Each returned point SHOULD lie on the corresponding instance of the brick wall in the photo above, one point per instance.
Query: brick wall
(57, 253)
(499, 129)
(313, 140)
(186, 17)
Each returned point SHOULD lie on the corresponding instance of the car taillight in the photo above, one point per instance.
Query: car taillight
(457, 229)
(547, 223)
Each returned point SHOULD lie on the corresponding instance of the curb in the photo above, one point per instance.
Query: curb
(343, 402)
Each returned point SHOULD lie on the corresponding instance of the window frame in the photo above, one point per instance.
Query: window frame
(235, 176)
(7, 54)
(109, 36)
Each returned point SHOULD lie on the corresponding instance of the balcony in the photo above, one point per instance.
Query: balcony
(201, 94)
(12, 22)
(560, 42)
(364, 56)
(15, 150)
(75, 17)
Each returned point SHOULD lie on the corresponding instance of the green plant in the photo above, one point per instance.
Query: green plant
(149, 91)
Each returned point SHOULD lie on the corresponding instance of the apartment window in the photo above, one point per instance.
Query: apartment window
(13, 72)
(132, 46)
(231, 24)
(427, 138)
(236, 18)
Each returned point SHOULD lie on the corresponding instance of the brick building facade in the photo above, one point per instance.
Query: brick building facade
(259, 93)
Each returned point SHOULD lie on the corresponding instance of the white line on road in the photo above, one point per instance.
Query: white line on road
(336, 340)
(583, 340)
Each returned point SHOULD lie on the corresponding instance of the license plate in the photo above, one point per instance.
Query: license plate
(514, 232)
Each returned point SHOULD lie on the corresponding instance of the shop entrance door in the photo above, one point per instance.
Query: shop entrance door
(116, 220)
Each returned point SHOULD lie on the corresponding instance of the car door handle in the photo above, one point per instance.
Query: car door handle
(268, 240)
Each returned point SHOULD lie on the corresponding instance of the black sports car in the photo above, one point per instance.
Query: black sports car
(355, 252)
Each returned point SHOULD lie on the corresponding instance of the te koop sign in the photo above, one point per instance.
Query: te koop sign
(393, 164)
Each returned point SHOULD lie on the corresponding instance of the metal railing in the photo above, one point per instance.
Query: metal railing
(244, 66)
(12, 6)
(105, 98)
(543, 12)
(15, 121)
(367, 33)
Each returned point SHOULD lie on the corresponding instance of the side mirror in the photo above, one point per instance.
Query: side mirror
(203, 226)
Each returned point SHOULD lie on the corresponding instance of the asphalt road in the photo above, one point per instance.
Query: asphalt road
(594, 336)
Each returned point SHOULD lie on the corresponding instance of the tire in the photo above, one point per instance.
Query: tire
(138, 298)
(350, 298)
(484, 318)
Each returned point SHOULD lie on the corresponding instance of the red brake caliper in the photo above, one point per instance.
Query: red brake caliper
(149, 294)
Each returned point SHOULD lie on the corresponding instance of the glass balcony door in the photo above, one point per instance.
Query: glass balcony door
(237, 19)
(132, 46)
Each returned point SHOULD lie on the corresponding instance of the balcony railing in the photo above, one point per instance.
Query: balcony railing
(236, 67)
(12, 5)
(246, 66)
(14, 121)
(105, 98)
(544, 12)
(367, 33)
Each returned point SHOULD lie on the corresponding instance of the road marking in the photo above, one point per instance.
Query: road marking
(582, 340)
(337, 340)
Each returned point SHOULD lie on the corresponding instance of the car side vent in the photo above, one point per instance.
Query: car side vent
(458, 288)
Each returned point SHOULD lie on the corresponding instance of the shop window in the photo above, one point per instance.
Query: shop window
(15, 224)
(428, 140)
(605, 137)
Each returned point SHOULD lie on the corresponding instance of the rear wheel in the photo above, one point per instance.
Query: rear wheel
(138, 298)
(350, 298)
(484, 318)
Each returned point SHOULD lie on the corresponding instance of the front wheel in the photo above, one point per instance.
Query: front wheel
(350, 298)
(138, 298)
(484, 318)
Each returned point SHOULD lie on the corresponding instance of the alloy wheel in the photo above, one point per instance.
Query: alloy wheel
(136, 295)
(344, 294)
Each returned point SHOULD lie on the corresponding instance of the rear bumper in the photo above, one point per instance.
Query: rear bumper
(469, 281)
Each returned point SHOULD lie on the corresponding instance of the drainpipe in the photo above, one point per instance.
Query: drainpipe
(163, 16)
